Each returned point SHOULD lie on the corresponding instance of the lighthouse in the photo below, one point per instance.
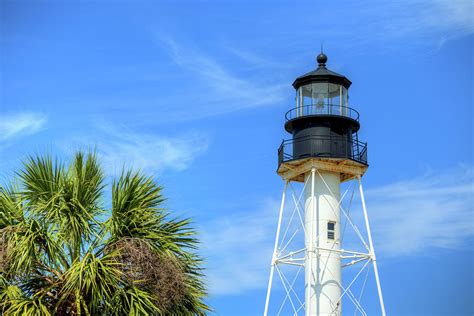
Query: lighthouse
(323, 152)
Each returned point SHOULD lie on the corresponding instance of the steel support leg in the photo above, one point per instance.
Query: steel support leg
(372, 251)
(275, 249)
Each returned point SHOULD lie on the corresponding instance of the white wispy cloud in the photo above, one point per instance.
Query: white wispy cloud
(20, 124)
(382, 26)
(435, 210)
(452, 16)
(238, 248)
(153, 152)
(407, 217)
(415, 22)
(226, 92)
(150, 152)
(254, 60)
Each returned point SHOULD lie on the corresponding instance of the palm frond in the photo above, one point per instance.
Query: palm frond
(8, 294)
(135, 200)
(11, 202)
(42, 180)
(132, 301)
(13, 301)
(137, 212)
(11, 214)
(94, 278)
(61, 259)
(69, 200)
(23, 246)
(25, 306)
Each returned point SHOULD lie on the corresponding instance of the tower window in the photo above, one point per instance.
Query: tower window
(331, 230)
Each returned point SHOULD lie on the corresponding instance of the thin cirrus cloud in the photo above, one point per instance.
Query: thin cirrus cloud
(414, 22)
(20, 124)
(435, 209)
(238, 249)
(225, 92)
(150, 152)
(428, 22)
(434, 21)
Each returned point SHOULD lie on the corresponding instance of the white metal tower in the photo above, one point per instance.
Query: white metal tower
(323, 153)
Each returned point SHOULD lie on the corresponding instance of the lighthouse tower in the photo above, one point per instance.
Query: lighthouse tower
(323, 152)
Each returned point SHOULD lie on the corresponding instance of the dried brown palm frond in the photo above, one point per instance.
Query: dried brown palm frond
(158, 273)
(3, 249)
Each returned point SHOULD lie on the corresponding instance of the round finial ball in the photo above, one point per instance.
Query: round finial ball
(322, 58)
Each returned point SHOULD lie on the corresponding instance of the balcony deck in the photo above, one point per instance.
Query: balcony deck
(338, 154)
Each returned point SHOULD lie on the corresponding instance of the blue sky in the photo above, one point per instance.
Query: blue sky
(194, 92)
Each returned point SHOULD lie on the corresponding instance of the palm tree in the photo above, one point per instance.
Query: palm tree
(63, 252)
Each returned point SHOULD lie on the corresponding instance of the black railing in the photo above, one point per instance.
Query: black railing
(323, 147)
(322, 109)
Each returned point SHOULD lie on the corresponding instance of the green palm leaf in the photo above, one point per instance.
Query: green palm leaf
(57, 257)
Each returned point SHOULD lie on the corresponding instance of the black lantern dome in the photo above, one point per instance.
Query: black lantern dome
(322, 74)
(322, 123)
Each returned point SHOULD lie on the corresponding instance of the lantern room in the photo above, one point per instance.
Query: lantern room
(322, 91)
(322, 123)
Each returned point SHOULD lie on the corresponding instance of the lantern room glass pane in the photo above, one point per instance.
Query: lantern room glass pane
(306, 94)
(319, 92)
(321, 98)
